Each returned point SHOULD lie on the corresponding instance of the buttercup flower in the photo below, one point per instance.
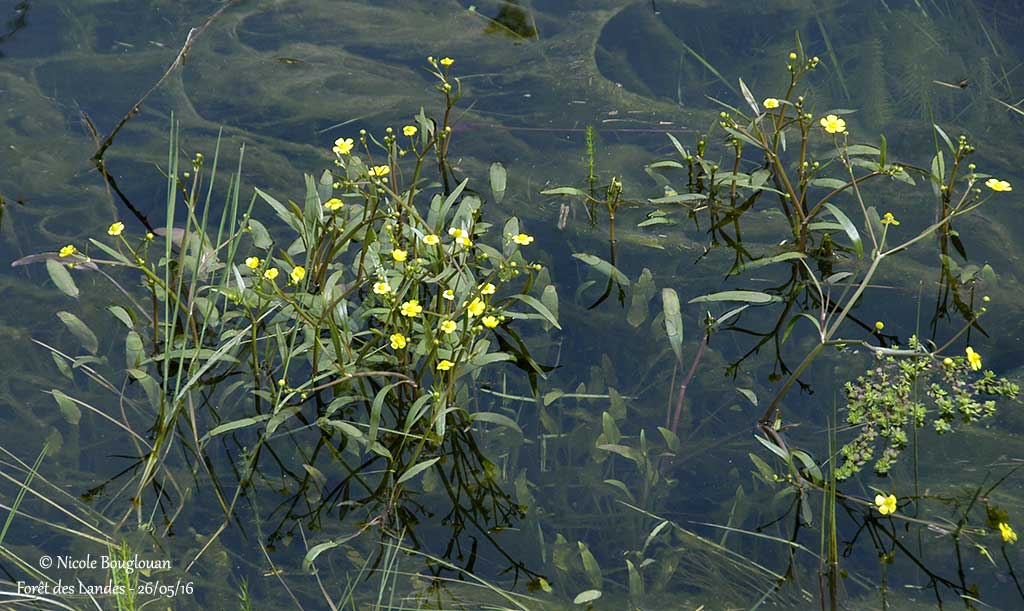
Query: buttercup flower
(343, 146)
(889, 219)
(833, 124)
(271, 273)
(455, 232)
(463, 241)
(886, 504)
(252, 262)
(973, 359)
(431, 240)
(68, 250)
(449, 295)
(116, 229)
(411, 308)
(398, 341)
(448, 326)
(380, 170)
(409, 130)
(476, 307)
(522, 239)
(1007, 532)
(381, 288)
(998, 185)
(487, 289)
(490, 321)
(298, 273)
(334, 204)
(771, 103)
(879, 325)
(399, 255)
(447, 61)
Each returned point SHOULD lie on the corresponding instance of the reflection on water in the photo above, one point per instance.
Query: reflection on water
(287, 79)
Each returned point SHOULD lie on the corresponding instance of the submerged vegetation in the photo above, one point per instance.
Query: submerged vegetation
(396, 389)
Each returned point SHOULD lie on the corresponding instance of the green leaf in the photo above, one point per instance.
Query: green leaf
(763, 261)
(749, 394)
(603, 267)
(680, 198)
(79, 329)
(550, 299)
(621, 487)
(495, 418)
(636, 582)
(643, 291)
(829, 183)
(133, 349)
(498, 179)
(673, 321)
(540, 308)
(416, 469)
(586, 596)
(234, 425)
(590, 566)
(848, 227)
(564, 191)
(61, 277)
(286, 215)
(376, 408)
(123, 315)
(68, 408)
(766, 471)
(671, 439)
(745, 296)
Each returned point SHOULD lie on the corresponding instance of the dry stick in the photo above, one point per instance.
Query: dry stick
(686, 382)
(179, 60)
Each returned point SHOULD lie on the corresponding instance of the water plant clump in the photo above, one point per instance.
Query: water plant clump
(882, 407)
(350, 331)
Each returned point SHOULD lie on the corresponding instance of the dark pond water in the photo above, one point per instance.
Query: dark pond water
(288, 77)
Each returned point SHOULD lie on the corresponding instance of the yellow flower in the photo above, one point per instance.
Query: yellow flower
(447, 61)
(271, 273)
(948, 362)
(522, 239)
(490, 321)
(381, 288)
(343, 146)
(792, 56)
(409, 130)
(334, 204)
(431, 240)
(476, 307)
(68, 250)
(973, 359)
(116, 229)
(487, 289)
(998, 185)
(889, 219)
(1007, 532)
(149, 235)
(298, 273)
(886, 504)
(879, 325)
(399, 255)
(456, 233)
(833, 124)
(445, 365)
(771, 103)
(448, 326)
(380, 170)
(449, 295)
(398, 341)
(464, 242)
(252, 262)
(411, 308)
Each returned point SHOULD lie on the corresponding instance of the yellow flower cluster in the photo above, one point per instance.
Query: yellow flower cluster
(116, 229)
(998, 185)
(833, 124)
(889, 219)
(886, 505)
(68, 250)
(334, 204)
(1006, 531)
(973, 359)
(771, 103)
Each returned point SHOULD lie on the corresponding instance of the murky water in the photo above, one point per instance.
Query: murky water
(288, 77)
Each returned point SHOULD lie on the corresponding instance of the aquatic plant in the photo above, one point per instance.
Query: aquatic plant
(353, 326)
